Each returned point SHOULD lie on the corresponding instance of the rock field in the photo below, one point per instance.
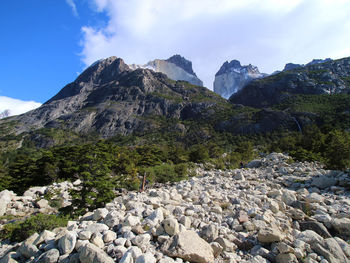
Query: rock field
(272, 211)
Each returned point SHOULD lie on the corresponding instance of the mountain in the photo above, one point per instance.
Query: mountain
(175, 67)
(290, 66)
(331, 77)
(232, 77)
(110, 99)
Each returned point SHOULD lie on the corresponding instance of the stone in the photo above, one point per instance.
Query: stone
(186, 221)
(5, 199)
(217, 248)
(99, 214)
(109, 236)
(242, 217)
(97, 228)
(90, 253)
(331, 250)
(96, 239)
(138, 229)
(286, 258)
(67, 242)
(156, 216)
(135, 252)
(314, 198)
(84, 235)
(342, 226)
(9, 258)
(146, 258)
(28, 250)
(210, 232)
(226, 244)
(309, 236)
(318, 227)
(344, 245)
(288, 197)
(141, 240)
(126, 258)
(131, 221)
(189, 246)
(171, 226)
(323, 181)
(43, 237)
(50, 256)
(166, 259)
(269, 235)
(43, 203)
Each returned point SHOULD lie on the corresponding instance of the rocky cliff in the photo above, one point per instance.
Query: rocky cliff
(232, 77)
(331, 77)
(272, 211)
(175, 67)
(110, 98)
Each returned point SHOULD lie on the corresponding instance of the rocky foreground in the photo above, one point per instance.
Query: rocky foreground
(273, 211)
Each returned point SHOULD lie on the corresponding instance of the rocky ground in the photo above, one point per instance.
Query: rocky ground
(272, 211)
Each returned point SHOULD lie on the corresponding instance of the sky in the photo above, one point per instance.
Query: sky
(46, 44)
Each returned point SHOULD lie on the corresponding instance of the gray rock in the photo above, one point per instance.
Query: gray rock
(109, 236)
(89, 253)
(141, 240)
(66, 243)
(146, 258)
(342, 226)
(309, 236)
(269, 235)
(84, 235)
(50, 256)
(99, 214)
(210, 232)
(323, 181)
(44, 236)
(171, 226)
(43, 203)
(318, 227)
(331, 250)
(28, 250)
(189, 246)
(97, 228)
(286, 258)
(127, 258)
(9, 258)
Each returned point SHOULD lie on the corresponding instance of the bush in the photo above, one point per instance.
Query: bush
(21, 230)
(166, 172)
(199, 154)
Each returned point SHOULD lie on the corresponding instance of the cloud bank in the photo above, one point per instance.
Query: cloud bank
(73, 7)
(266, 33)
(16, 106)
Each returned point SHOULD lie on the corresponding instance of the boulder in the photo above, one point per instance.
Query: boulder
(318, 227)
(286, 258)
(342, 226)
(146, 258)
(331, 250)
(323, 181)
(171, 226)
(99, 214)
(210, 232)
(66, 243)
(50, 256)
(28, 250)
(97, 228)
(269, 235)
(89, 253)
(189, 246)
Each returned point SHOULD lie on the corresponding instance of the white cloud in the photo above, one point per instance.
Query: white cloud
(16, 106)
(73, 7)
(266, 33)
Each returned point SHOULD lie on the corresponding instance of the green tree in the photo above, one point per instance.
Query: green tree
(337, 150)
(97, 183)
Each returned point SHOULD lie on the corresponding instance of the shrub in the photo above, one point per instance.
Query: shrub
(21, 230)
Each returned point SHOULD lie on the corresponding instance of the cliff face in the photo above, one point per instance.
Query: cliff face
(331, 77)
(232, 77)
(175, 67)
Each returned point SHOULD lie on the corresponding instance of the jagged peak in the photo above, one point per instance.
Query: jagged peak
(183, 63)
(236, 65)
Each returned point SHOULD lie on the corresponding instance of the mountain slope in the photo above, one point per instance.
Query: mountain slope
(331, 77)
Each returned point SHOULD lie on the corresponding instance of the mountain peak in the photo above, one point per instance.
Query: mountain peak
(182, 63)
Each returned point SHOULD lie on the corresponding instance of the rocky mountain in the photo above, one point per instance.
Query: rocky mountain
(232, 77)
(290, 66)
(331, 77)
(275, 210)
(175, 67)
(5, 114)
(110, 98)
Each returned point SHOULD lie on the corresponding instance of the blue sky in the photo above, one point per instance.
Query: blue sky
(46, 43)
(40, 46)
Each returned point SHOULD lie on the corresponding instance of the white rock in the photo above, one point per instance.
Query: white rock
(171, 226)
(92, 254)
(84, 235)
(99, 214)
(146, 258)
(66, 243)
(109, 236)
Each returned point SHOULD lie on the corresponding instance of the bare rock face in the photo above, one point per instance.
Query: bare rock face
(189, 246)
(232, 77)
(175, 67)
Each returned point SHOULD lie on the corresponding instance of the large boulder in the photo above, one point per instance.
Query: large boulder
(269, 235)
(342, 226)
(189, 246)
(67, 242)
(5, 199)
(323, 181)
(90, 253)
